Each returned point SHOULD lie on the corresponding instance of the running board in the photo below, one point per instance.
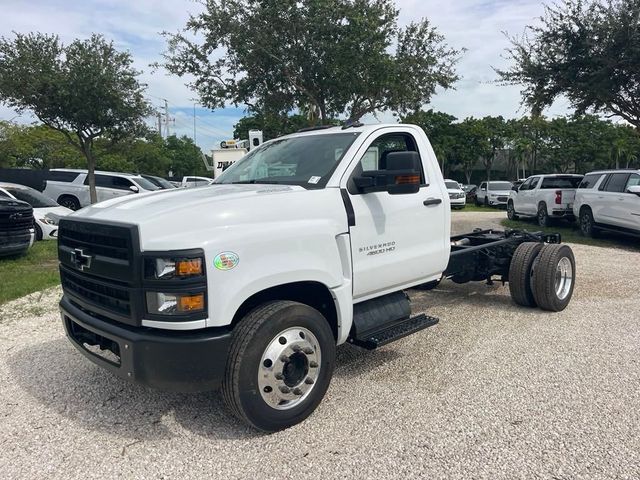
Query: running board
(394, 332)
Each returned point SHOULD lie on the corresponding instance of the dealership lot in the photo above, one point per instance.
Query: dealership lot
(492, 391)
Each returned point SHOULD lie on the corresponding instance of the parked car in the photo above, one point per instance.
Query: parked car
(545, 197)
(471, 193)
(493, 193)
(70, 188)
(457, 197)
(16, 227)
(46, 212)
(467, 188)
(161, 183)
(190, 182)
(609, 200)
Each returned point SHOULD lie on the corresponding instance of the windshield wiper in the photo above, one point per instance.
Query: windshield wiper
(256, 181)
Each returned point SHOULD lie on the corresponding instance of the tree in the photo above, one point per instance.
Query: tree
(186, 156)
(496, 131)
(36, 146)
(325, 57)
(472, 143)
(588, 50)
(84, 90)
(272, 126)
(439, 127)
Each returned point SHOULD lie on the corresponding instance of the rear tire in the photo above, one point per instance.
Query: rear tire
(69, 202)
(543, 215)
(267, 346)
(520, 272)
(554, 277)
(511, 211)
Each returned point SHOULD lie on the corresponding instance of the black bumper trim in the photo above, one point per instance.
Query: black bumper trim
(183, 361)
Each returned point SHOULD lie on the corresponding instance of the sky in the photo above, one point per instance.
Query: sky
(136, 26)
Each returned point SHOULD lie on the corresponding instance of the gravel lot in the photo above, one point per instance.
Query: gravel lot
(492, 391)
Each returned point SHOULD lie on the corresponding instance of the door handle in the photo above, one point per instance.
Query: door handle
(432, 201)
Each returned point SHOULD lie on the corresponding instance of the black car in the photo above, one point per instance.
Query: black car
(16, 227)
(159, 182)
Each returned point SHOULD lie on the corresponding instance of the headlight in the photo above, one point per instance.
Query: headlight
(168, 268)
(49, 220)
(160, 303)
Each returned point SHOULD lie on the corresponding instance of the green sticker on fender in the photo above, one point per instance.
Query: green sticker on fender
(226, 260)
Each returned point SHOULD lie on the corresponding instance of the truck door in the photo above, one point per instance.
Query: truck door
(611, 197)
(628, 209)
(397, 240)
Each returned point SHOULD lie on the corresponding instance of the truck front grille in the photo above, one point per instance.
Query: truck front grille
(109, 296)
(100, 268)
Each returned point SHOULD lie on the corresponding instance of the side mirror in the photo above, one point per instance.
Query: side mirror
(400, 174)
(515, 188)
(635, 189)
(134, 189)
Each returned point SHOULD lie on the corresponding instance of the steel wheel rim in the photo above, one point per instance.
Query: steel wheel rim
(289, 368)
(564, 278)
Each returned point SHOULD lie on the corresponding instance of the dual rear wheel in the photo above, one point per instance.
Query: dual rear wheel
(542, 275)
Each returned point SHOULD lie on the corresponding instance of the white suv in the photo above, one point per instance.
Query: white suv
(609, 200)
(70, 188)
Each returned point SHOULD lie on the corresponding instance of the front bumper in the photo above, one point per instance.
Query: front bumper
(458, 202)
(184, 361)
(498, 201)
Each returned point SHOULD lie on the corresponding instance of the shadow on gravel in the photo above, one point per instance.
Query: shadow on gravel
(62, 380)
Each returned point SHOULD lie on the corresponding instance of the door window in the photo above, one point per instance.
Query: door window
(121, 183)
(375, 158)
(634, 181)
(534, 183)
(616, 182)
(526, 185)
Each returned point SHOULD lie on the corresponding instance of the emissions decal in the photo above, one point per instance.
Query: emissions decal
(226, 260)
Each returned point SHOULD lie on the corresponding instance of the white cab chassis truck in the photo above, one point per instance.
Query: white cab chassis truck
(307, 242)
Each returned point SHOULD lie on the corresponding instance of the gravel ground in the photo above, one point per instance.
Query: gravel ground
(492, 391)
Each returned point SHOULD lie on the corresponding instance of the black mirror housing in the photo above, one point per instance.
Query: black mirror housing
(399, 174)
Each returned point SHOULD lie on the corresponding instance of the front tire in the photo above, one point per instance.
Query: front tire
(39, 235)
(587, 224)
(511, 212)
(554, 277)
(280, 365)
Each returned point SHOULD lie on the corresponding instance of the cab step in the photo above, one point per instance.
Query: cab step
(396, 331)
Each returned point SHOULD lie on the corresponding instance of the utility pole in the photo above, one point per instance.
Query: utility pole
(194, 123)
(166, 118)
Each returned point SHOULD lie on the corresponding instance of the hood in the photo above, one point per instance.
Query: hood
(183, 218)
(58, 212)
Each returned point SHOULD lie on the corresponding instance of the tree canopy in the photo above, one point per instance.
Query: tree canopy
(326, 57)
(83, 90)
(587, 50)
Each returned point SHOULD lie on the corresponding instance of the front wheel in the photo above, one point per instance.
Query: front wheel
(511, 212)
(587, 226)
(280, 365)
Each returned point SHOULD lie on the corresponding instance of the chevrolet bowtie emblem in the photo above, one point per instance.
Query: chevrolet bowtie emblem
(80, 260)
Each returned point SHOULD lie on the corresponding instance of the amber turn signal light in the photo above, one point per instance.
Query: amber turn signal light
(407, 179)
(189, 267)
(190, 303)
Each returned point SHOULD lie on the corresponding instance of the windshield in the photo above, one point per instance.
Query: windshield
(499, 186)
(452, 185)
(307, 161)
(146, 184)
(31, 196)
